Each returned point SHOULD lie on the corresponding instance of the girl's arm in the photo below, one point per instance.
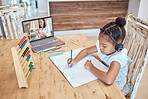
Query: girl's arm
(41, 32)
(107, 77)
(82, 54)
(44, 34)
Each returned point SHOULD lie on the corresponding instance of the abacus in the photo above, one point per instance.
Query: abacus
(23, 62)
(33, 35)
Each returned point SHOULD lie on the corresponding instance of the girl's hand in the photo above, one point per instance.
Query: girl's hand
(31, 29)
(88, 65)
(39, 31)
(69, 62)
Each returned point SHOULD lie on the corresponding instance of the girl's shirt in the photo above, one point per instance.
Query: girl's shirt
(46, 30)
(120, 57)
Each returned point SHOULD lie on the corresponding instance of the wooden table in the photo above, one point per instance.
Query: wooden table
(46, 81)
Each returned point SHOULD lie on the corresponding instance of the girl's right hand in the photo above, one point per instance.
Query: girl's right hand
(70, 63)
(39, 31)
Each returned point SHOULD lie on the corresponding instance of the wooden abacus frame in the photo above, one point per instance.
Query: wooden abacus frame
(21, 77)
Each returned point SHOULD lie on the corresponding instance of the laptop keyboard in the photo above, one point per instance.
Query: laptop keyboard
(44, 42)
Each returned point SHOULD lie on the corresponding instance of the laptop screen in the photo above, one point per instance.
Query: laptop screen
(38, 28)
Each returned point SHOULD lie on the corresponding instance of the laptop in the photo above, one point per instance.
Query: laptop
(41, 34)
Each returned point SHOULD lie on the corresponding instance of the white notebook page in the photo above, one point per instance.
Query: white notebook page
(77, 74)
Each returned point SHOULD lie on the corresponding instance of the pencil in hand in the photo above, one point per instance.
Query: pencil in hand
(71, 58)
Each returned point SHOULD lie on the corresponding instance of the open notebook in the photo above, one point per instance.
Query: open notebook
(77, 74)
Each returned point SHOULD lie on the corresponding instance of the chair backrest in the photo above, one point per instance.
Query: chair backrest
(11, 17)
(136, 42)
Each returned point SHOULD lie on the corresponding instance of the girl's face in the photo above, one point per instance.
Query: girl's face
(41, 23)
(105, 46)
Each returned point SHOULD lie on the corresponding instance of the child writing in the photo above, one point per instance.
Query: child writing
(112, 54)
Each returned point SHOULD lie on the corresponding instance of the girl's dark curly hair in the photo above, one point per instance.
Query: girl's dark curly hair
(115, 29)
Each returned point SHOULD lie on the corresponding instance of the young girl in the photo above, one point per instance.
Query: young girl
(112, 54)
(43, 30)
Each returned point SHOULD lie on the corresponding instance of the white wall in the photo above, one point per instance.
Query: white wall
(133, 7)
(139, 8)
(143, 10)
(4, 2)
(42, 6)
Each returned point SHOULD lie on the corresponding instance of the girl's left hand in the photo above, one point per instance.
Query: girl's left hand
(88, 65)
(39, 31)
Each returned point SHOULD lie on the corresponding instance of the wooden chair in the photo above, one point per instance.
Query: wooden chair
(11, 17)
(136, 41)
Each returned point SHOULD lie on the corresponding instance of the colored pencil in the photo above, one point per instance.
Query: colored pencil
(65, 44)
(55, 55)
(74, 43)
(55, 51)
(68, 43)
(71, 58)
(49, 48)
